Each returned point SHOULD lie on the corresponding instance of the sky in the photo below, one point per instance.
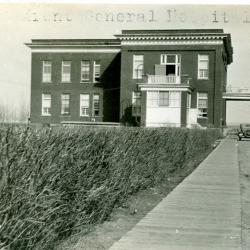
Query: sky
(22, 22)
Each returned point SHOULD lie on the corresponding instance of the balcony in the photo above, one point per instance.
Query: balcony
(161, 79)
(165, 81)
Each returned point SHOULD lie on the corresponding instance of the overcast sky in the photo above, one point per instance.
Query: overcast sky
(23, 22)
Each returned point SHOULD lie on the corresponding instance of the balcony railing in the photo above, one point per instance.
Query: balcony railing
(161, 79)
(165, 79)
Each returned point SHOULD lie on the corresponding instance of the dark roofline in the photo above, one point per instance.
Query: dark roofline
(37, 42)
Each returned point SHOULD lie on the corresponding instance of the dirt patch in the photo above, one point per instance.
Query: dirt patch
(244, 163)
(103, 236)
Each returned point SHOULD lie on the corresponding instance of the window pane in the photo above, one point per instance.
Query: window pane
(171, 58)
(203, 63)
(46, 104)
(136, 103)
(96, 104)
(85, 70)
(66, 69)
(97, 71)
(202, 104)
(163, 98)
(47, 68)
(84, 105)
(174, 99)
(152, 98)
(65, 100)
(137, 66)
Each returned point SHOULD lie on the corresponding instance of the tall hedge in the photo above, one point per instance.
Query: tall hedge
(54, 180)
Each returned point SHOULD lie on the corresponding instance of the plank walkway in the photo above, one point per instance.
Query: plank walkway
(201, 213)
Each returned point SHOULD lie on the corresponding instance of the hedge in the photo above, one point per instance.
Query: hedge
(53, 181)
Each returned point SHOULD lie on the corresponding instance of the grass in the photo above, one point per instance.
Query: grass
(55, 182)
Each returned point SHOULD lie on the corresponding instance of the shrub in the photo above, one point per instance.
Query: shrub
(55, 180)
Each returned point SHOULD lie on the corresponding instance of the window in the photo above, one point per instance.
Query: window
(203, 61)
(137, 66)
(164, 98)
(202, 103)
(85, 70)
(170, 59)
(66, 70)
(170, 66)
(84, 105)
(152, 98)
(46, 104)
(47, 69)
(97, 71)
(174, 99)
(65, 100)
(96, 105)
(136, 103)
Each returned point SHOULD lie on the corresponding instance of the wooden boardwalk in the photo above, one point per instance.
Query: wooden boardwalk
(201, 213)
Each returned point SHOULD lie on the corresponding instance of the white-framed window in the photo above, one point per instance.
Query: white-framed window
(170, 59)
(164, 99)
(174, 99)
(203, 70)
(65, 104)
(136, 103)
(152, 98)
(46, 104)
(84, 104)
(97, 71)
(171, 67)
(96, 105)
(85, 70)
(138, 66)
(47, 71)
(66, 71)
(202, 104)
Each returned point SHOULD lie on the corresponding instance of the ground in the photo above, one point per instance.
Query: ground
(244, 164)
(102, 237)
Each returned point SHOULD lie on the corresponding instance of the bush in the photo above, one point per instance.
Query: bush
(54, 181)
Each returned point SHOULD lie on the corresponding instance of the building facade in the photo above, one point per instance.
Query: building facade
(142, 77)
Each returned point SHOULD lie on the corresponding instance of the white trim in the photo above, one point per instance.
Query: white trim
(185, 42)
(148, 88)
(54, 50)
(236, 97)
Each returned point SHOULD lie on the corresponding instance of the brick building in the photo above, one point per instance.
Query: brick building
(142, 77)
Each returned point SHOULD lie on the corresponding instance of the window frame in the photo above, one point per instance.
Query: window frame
(43, 102)
(86, 107)
(65, 114)
(99, 105)
(136, 75)
(202, 98)
(171, 102)
(89, 68)
(43, 73)
(136, 108)
(63, 73)
(96, 63)
(199, 77)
